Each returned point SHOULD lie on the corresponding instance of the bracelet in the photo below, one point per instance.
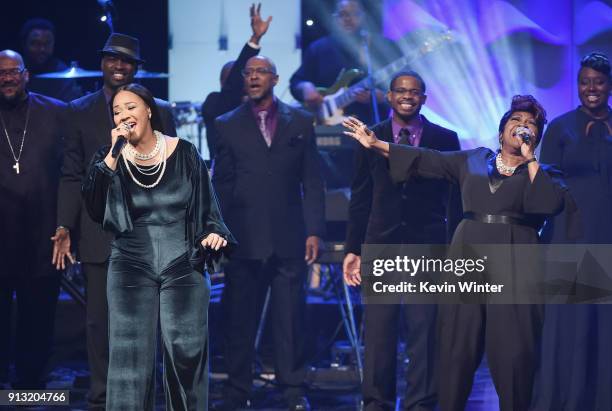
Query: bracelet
(531, 160)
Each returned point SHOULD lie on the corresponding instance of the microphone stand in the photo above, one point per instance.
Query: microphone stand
(371, 83)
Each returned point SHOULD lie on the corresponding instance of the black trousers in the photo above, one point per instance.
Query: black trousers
(36, 303)
(97, 333)
(381, 331)
(246, 284)
(511, 335)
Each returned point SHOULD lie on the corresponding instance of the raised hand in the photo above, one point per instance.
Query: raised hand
(359, 132)
(258, 25)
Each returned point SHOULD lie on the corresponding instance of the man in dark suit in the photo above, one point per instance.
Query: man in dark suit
(232, 85)
(32, 131)
(90, 124)
(416, 212)
(271, 193)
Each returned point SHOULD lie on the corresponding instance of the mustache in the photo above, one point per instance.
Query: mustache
(9, 83)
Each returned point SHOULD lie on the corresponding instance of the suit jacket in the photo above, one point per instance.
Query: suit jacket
(90, 127)
(416, 212)
(271, 197)
(28, 200)
(230, 97)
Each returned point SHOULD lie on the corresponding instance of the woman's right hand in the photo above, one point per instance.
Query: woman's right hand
(121, 130)
(359, 132)
(366, 137)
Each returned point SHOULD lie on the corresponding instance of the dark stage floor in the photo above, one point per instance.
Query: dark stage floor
(323, 396)
(333, 381)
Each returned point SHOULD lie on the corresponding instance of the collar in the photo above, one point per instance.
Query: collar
(414, 125)
(272, 108)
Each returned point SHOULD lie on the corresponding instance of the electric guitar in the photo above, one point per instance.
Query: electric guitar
(342, 93)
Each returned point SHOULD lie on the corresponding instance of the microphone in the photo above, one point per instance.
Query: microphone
(524, 133)
(121, 140)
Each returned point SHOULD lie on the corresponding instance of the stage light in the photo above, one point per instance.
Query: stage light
(103, 19)
(310, 22)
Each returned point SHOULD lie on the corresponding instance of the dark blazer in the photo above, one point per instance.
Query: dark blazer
(416, 212)
(28, 201)
(90, 127)
(271, 197)
(230, 97)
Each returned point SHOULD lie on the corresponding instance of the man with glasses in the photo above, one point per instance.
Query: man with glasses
(343, 49)
(422, 211)
(90, 123)
(31, 139)
(232, 87)
(271, 195)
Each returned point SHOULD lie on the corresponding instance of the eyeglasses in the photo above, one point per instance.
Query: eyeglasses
(258, 70)
(411, 92)
(14, 72)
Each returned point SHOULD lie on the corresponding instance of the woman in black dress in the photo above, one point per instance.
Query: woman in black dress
(157, 199)
(577, 356)
(506, 196)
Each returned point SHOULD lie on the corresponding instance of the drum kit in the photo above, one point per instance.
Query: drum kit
(189, 122)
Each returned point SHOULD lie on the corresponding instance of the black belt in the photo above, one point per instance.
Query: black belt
(500, 219)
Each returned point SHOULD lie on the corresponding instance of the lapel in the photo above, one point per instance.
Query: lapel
(247, 119)
(248, 123)
(100, 115)
(427, 136)
(386, 131)
(283, 120)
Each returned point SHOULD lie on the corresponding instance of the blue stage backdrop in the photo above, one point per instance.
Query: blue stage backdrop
(476, 54)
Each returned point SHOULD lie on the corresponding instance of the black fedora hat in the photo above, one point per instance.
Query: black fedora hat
(124, 46)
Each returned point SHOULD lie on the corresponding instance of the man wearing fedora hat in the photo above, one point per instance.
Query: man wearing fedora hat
(89, 128)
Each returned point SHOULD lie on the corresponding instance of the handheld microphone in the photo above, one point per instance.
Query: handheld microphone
(524, 133)
(121, 140)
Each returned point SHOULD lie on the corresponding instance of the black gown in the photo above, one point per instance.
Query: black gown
(577, 359)
(156, 271)
(510, 332)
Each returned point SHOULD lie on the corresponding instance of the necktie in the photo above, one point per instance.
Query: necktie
(405, 137)
(262, 127)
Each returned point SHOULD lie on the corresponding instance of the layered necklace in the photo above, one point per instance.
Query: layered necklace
(501, 167)
(159, 167)
(8, 139)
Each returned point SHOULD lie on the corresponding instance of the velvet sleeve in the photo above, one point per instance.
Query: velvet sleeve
(105, 197)
(204, 218)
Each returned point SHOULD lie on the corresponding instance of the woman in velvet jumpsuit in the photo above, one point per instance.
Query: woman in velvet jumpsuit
(157, 199)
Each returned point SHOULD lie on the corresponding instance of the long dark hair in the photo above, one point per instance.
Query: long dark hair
(145, 94)
(529, 104)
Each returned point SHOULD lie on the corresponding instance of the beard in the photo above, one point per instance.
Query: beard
(11, 100)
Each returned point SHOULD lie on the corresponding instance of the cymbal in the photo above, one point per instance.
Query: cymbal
(150, 74)
(73, 72)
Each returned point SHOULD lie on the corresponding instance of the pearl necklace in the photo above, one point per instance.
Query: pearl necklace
(501, 167)
(139, 156)
(161, 165)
